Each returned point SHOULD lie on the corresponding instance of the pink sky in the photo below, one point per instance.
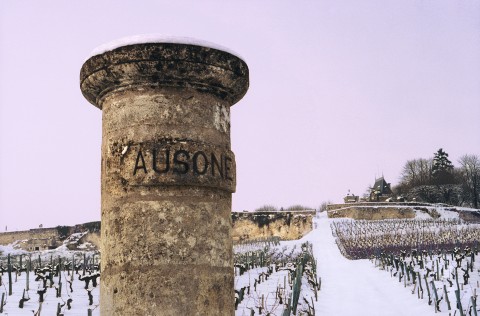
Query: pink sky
(340, 92)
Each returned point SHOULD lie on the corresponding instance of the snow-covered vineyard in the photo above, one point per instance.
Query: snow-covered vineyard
(421, 266)
(50, 282)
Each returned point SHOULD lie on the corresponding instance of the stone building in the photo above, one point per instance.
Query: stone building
(381, 191)
(351, 198)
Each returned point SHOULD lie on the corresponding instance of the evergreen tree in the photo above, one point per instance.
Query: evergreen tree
(442, 169)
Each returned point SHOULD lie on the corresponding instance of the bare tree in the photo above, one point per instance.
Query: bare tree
(416, 172)
(409, 173)
(424, 170)
(470, 168)
(267, 208)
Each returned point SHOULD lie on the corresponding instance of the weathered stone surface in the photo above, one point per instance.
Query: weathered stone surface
(372, 213)
(285, 225)
(34, 239)
(204, 69)
(167, 176)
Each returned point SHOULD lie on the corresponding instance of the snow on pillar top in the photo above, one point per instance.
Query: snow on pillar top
(157, 38)
(164, 62)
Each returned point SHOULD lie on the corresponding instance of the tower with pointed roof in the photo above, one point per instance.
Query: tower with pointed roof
(380, 191)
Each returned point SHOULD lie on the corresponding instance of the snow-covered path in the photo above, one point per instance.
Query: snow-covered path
(356, 287)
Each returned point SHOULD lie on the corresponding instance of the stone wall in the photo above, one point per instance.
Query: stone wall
(93, 238)
(33, 239)
(40, 233)
(372, 213)
(246, 225)
(48, 238)
(331, 207)
(286, 225)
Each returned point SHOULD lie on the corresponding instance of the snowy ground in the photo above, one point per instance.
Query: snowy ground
(348, 287)
(77, 293)
(356, 287)
(79, 296)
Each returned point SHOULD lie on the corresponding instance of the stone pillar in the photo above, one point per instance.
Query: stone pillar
(167, 176)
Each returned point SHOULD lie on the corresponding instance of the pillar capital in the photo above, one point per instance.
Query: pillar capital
(173, 65)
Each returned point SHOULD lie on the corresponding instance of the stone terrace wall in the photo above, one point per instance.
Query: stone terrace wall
(286, 225)
(372, 213)
(39, 233)
(246, 225)
(52, 233)
(332, 207)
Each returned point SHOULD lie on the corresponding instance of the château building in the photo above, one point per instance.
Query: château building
(381, 191)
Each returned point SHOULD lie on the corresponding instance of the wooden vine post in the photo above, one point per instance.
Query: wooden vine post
(9, 268)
